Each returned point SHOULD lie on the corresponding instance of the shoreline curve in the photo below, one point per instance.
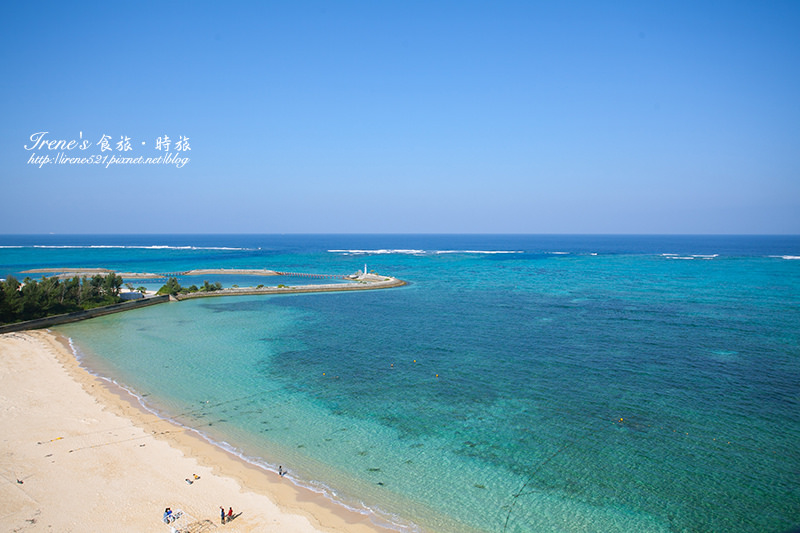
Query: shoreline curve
(95, 447)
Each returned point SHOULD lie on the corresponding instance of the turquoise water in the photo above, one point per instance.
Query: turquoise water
(554, 384)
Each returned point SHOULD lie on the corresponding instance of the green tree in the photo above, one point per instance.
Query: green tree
(3, 304)
(50, 295)
(12, 299)
(7, 294)
(35, 299)
(71, 292)
(112, 285)
(32, 301)
(171, 287)
(91, 290)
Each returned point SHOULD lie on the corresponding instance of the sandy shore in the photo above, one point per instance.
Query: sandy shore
(78, 456)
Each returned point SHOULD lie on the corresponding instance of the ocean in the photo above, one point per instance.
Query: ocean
(518, 383)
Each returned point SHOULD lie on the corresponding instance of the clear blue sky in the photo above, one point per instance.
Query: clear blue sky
(405, 117)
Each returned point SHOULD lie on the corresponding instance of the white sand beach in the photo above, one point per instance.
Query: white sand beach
(78, 456)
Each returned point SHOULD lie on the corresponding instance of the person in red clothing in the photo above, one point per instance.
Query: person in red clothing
(230, 514)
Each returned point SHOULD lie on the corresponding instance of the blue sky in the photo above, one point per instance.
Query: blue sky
(405, 117)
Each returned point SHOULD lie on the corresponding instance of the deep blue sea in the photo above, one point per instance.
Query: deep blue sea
(516, 384)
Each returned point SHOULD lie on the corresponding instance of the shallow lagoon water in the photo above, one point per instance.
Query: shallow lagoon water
(650, 387)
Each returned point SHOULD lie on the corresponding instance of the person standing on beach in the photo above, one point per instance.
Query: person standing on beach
(221, 514)
(230, 514)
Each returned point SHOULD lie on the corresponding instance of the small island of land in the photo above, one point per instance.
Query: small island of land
(67, 273)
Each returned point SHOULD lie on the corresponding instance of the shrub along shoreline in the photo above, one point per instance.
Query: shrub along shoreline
(31, 299)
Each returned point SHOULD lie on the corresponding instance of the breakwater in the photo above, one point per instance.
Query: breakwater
(46, 322)
(333, 287)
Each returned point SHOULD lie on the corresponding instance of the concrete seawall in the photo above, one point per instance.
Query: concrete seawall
(66, 318)
(55, 320)
(332, 287)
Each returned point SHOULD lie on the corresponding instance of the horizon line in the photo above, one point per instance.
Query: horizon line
(576, 234)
